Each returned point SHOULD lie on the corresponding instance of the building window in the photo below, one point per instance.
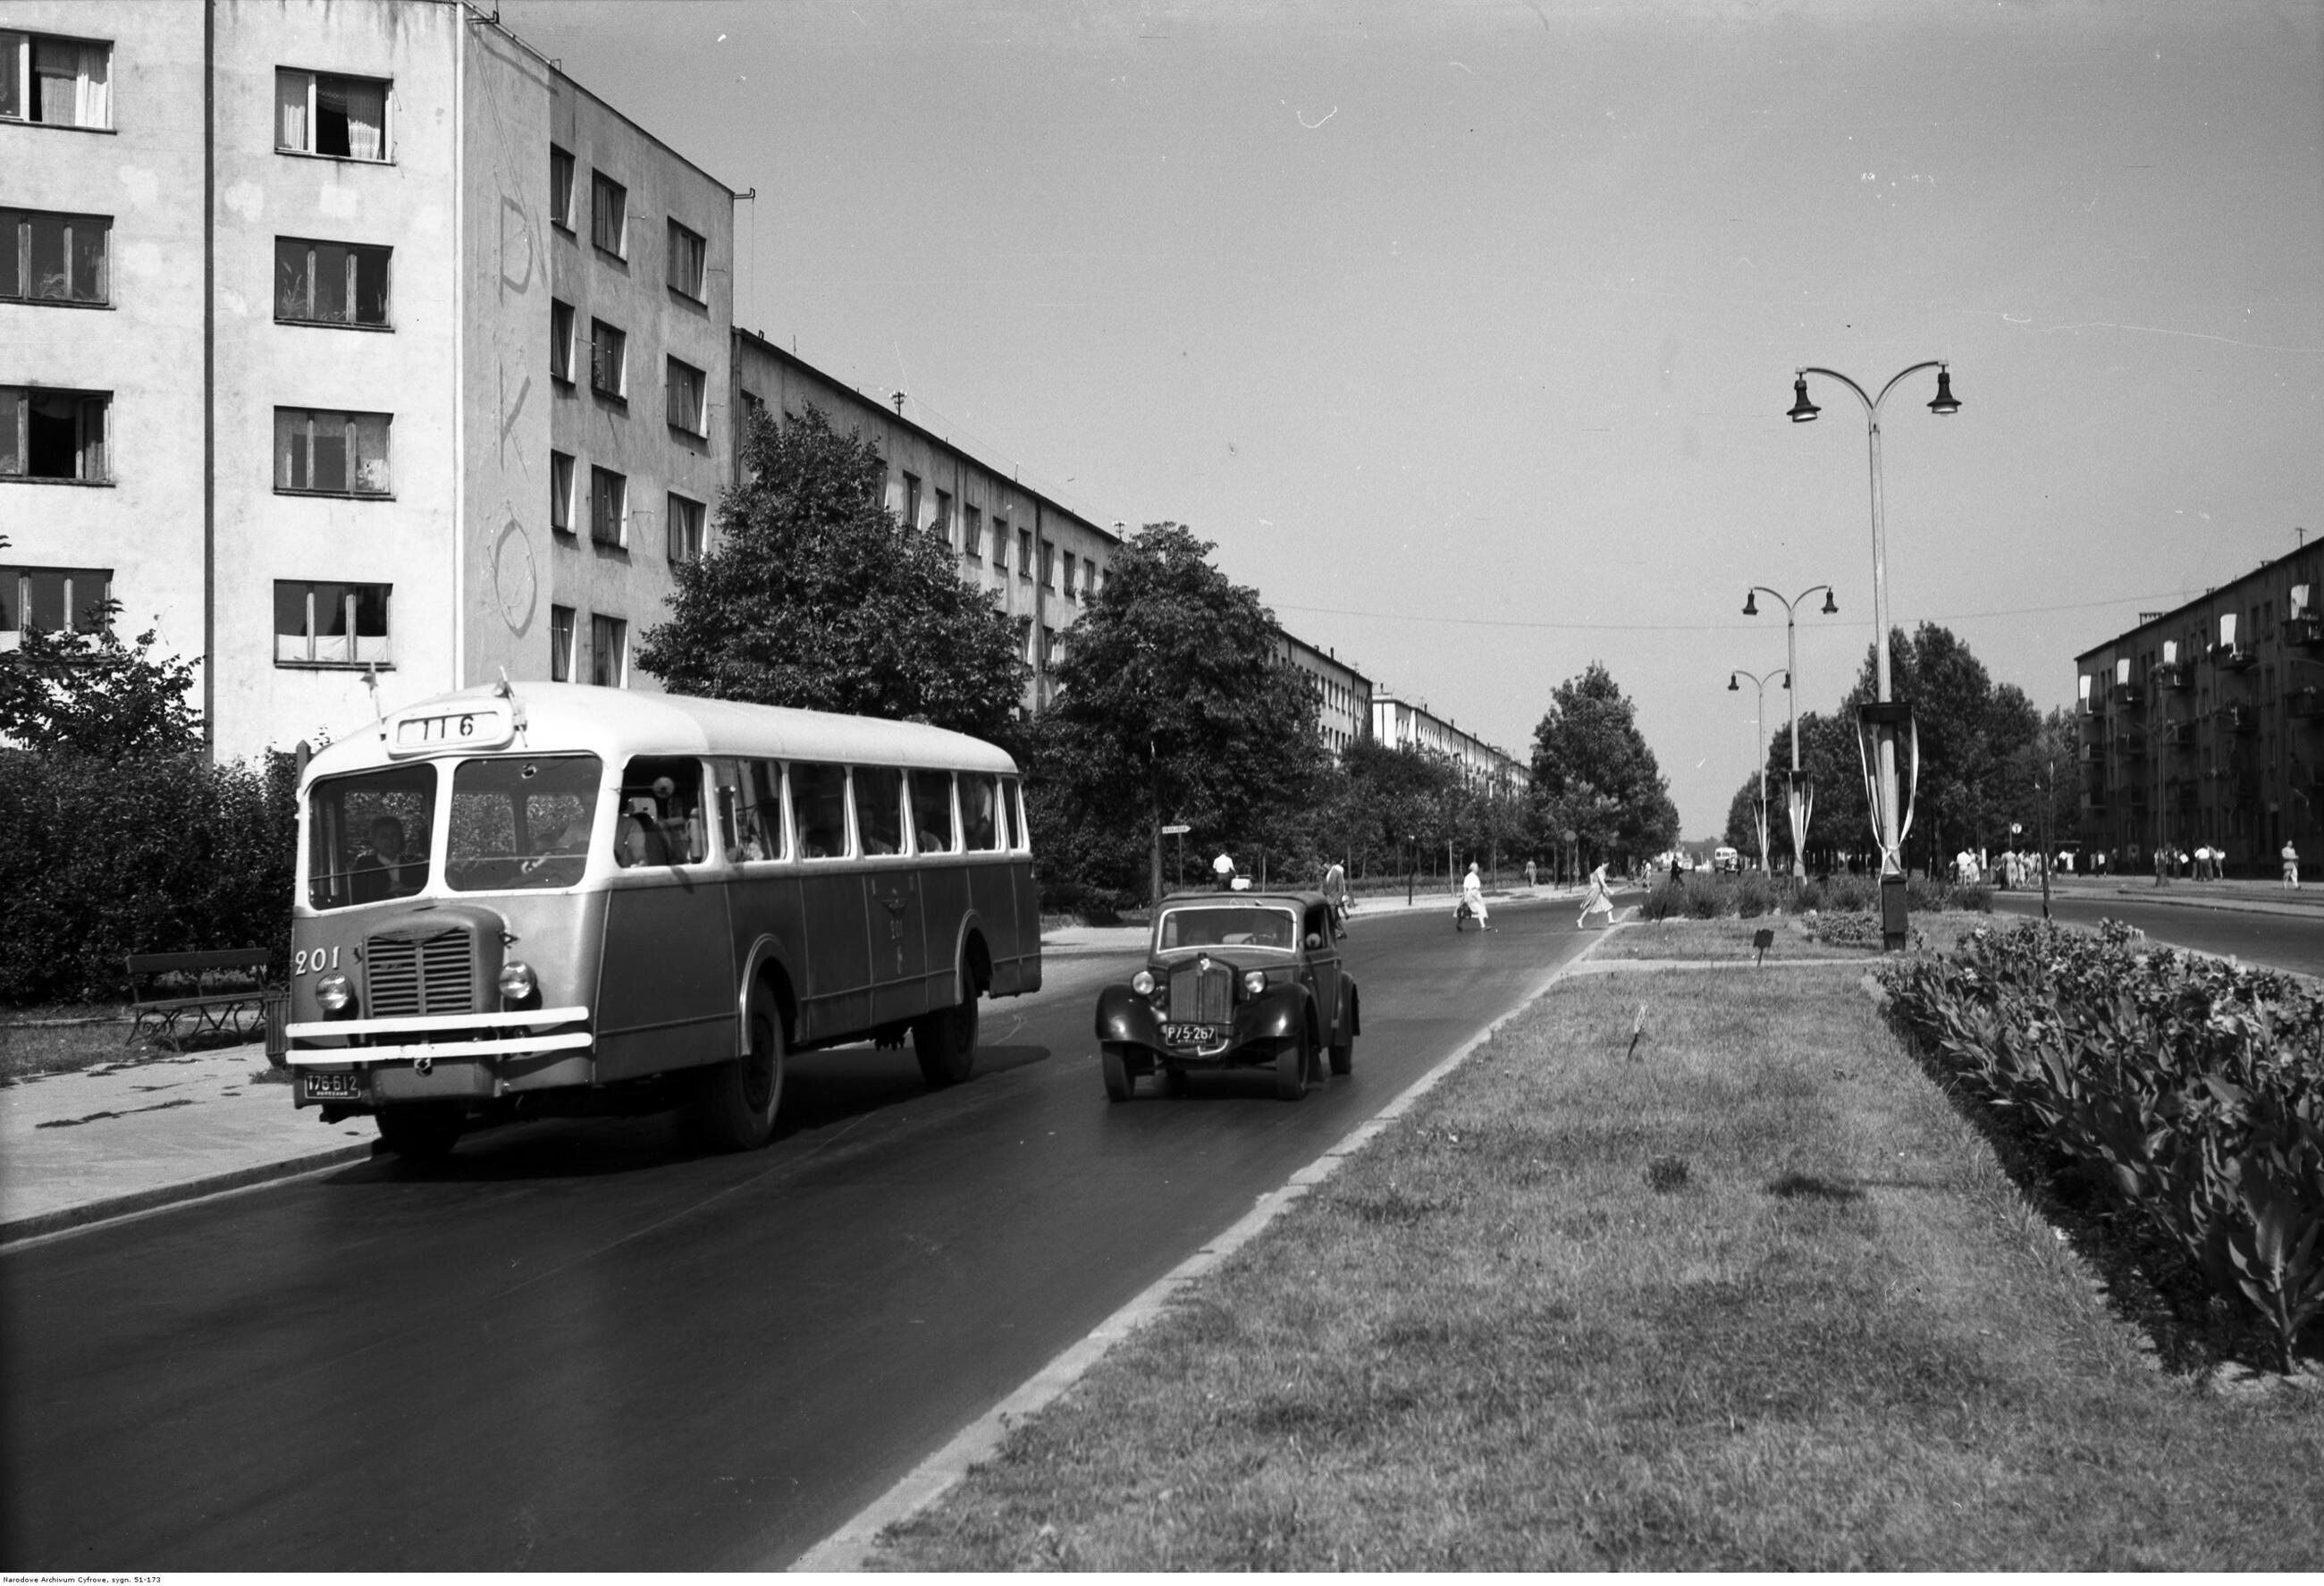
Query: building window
(609, 215)
(52, 600)
(57, 82)
(608, 507)
(55, 433)
(48, 258)
(560, 491)
(683, 390)
(560, 341)
(330, 625)
(609, 652)
(341, 117)
(609, 360)
(911, 501)
(1000, 544)
(330, 283)
(1068, 591)
(561, 644)
(684, 529)
(972, 533)
(330, 454)
(1049, 566)
(561, 189)
(942, 527)
(1025, 555)
(689, 253)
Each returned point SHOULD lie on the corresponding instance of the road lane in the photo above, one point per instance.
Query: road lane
(2271, 941)
(578, 1345)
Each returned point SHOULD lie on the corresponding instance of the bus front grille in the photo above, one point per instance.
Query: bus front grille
(414, 973)
(1202, 994)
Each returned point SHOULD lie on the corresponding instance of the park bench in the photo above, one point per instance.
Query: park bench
(209, 988)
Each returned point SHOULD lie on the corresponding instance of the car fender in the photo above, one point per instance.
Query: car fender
(1279, 1014)
(1123, 1015)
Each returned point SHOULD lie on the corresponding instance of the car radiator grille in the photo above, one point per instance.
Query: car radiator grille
(414, 975)
(1202, 994)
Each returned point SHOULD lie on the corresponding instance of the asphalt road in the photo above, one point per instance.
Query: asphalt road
(577, 1345)
(2272, 941)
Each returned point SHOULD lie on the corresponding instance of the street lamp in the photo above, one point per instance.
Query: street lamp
(1760, 721)
(1799, 803)
(1887, 828)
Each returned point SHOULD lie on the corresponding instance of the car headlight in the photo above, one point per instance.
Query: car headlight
(335, 992)
(1254, 982)
(1142, 983)
(517, 979)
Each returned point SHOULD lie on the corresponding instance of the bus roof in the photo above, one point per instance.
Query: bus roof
(615, 724)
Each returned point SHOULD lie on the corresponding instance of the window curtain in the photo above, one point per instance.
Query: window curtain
(12, 75)
(371, 454)
(95, 86)
(291, 111)
(366, 104)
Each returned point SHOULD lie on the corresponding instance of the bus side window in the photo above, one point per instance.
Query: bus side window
(879, 808)
(1012, 812)
(661, 813)
(762, 806)
(976, 813)
(748, 820)
(932, 812)
(819, 806)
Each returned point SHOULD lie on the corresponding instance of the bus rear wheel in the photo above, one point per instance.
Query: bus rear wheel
(423, 1131)
(945, 1041)
(733, 1103)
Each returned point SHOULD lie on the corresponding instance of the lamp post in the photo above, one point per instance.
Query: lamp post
(1800, 808)
(1760, 721)
(1888, 817)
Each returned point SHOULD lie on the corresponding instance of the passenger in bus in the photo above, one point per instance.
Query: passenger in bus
(382, 872)
(643, 842)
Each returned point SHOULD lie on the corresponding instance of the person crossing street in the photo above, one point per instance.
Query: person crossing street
(1473, 899)
(1599, 897)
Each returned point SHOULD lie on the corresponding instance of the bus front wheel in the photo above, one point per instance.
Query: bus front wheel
(945, 1041)
(734, 1102)
(423, 1131)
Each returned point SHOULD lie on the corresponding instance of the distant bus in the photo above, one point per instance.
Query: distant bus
(550, 898)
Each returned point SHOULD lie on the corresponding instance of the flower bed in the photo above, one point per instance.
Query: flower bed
(2190, 1092)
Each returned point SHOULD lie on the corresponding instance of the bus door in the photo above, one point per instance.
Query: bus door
(943, 881)
(893, 899)
(835, 942)
(666, 980)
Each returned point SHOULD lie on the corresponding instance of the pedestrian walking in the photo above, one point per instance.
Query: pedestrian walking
(1222, 871)
(1599, 898)
(1335, 896)
(1472, 898)
(1529, 874)
(2291, 865)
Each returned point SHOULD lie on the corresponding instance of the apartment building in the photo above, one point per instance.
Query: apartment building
(1343, 696)
(2204, 726)
(1040, 560)
(354, 348)
(1405, 724)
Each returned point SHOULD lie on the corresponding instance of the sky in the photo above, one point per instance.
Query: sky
(1467, 331)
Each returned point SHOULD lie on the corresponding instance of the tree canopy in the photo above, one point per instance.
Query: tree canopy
(813, 594)
(90, 694)
(1594, 777)
(1173, 706)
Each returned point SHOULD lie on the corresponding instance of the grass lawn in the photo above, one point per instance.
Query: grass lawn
(52, 1040)
(1731, 938)
(1759, 1299)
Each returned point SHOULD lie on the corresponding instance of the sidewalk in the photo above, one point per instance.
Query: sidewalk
(2242, 897)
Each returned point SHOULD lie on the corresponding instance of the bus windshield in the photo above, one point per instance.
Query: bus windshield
(368, 835)
(521, 822)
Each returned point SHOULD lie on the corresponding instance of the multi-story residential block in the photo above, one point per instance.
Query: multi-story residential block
(324, 330)
(1343, 696)
(1405, 724)
(2204, 726)
(1041, 561)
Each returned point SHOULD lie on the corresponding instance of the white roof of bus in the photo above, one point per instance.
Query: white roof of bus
(615, 724)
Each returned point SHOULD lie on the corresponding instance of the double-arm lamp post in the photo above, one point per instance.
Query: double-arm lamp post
(1888, 817)
(1760, 683)
(1797, 800)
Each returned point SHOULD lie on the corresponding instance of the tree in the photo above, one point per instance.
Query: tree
(90, 694)
(1593, 775)
(816, 596)
(1173, 706)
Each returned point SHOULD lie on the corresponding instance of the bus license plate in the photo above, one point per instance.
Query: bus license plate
(329, 1087)
(1193, 1034)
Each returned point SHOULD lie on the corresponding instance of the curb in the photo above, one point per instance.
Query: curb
(847, 1549)
(170, 1194)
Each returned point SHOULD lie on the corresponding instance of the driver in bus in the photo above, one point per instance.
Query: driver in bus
(380, 873)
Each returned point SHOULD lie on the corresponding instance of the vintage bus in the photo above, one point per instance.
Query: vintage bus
(548, 898)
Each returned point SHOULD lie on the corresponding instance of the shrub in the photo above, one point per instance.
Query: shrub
(158, 853)
(1754, 894)
(1706, 900)
(2192, 1090)
(1842, 893)
(1665, 898)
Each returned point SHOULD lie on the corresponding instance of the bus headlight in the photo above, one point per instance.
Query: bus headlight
(334, 992)
(1142, 983)
(1254, 983)
(517, 979)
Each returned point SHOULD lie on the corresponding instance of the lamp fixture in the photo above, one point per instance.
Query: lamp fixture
(1945, 404)
(1751, 604)
(1831, 606)
(1803, 409)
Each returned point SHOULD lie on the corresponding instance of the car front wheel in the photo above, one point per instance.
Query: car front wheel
(1120, 1084)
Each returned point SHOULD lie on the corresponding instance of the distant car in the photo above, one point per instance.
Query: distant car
(1247, 980)
(1726, 861)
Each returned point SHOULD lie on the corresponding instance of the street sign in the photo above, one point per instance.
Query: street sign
(1176, 831)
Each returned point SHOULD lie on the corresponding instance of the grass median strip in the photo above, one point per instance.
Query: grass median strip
(1755, 1298)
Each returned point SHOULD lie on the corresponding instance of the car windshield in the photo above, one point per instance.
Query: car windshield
(1227, 925)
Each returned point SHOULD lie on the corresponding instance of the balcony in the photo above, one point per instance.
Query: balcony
(2304, 630)
(2094, 801)
(2233, 657)
(2305, 705)
(2239, 718)
(2130, 695)
(2177, 736)
(2094, 754)
(2170, 675)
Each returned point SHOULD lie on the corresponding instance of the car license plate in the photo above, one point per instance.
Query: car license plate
(325, 1087)
(1193, 1035)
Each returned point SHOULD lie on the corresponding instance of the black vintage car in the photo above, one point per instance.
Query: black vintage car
(1232, 980)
